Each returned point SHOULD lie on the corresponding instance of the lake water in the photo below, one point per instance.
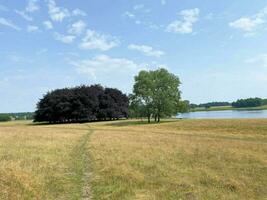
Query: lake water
(225, 114)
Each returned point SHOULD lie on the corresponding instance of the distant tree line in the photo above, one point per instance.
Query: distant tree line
(210, 104)
(16, 116)
(155, 95)
(240, 103)
(4, 118)
(83, 103)
(250, 102)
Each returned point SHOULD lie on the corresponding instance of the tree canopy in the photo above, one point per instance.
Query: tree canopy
(4, 118)
(250, 102)
(83, 103)
(156, 93)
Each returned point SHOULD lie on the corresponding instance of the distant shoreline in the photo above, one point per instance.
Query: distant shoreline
(222, 108)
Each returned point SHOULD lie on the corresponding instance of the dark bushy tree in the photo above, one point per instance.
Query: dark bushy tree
(4, 118)
(83, 103)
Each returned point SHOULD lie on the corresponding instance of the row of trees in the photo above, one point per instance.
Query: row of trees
(4, 118)
(240, 103)
(83, 103)
(156, 94)
(250, 102)
(210, 104)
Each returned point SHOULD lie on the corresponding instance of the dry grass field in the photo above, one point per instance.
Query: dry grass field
(182, 159)
(41, 162)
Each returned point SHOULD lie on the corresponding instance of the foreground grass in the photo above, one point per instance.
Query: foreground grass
(221, 108)
(42, 162)
(178, 159)
(187, 159)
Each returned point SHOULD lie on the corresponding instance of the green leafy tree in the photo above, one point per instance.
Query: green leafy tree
(136, 107)
(4, 118)
(143, 91)
(159, 91)
(184, 106)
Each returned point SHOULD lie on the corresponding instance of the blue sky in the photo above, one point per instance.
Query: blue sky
(217, 48)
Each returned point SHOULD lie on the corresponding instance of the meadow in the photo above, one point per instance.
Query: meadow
(176, 159)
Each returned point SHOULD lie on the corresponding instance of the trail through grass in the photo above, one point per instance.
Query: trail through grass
(44, 162)
(81, 166)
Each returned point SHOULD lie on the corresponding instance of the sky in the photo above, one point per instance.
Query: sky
(217, 48)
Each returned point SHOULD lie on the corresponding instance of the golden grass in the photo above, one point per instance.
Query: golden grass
(186, 159)
(178, 159)
(39, 162)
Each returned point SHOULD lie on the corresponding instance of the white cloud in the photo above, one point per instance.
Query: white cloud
(18, 59)
(3, 8)
(95, 40)
(9, 24)
(48, 25)
(163, 2)
(138, 7)
(103, 65)
(57, 13)
(246, 24)
(146, 50)
(259, 60)
(77, 28)
(32, 28)
(41, 51)
(184, 26)
(24, 15)
(250, 24)
(78, 12)
(67, 39)
(32, 6)
(138, 16)
(129, 14)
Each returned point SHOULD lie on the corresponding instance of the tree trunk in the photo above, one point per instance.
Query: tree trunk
(158, 118)
(155, 118)
(148, 118)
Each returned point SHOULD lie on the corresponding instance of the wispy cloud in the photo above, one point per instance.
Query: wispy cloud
(3, 8)
(138, 14)
(48, 25)
(78, 12)
(163, 2)
(102, 65)
(9, 24)
(41, 51)
(95, 40)
(250, 24)
(184, 26)
(58, 14)
(24, 15)
(129, 15)
(77, 28)
(32, 6)
(146, 50)
(31, 28)
(13, 57)
(67, 39)
(259, 60)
